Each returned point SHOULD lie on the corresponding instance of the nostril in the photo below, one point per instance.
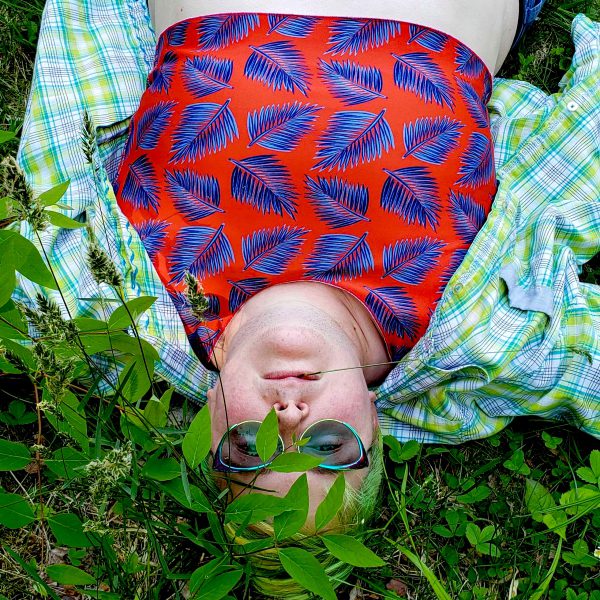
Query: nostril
(278, 407)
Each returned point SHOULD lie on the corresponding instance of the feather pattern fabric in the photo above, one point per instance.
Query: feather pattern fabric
(297, 26)
(353, 137)
(281, 127)
(410, 261)
(477, 162)
(412, 193)
(184, 309)
(141, 186)
(270, 251)
(163, 75)
(417, 72)
(218, 31)
(153, 123)
(278, 65)
(339, 256)
(338, 202)
(243, 289)
(428, 38)
(351, 82)
(195, 196)
(431, 139)
(152, 235)
(394, 310)
(263, 182)
(205, 128)
(468, 217)
(206, 75)
(467, 62)
(356, 35)
(176, 33)
(201, 251)
(474, 103)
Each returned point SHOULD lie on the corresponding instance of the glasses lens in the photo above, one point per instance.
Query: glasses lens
(332, 441)
(238, 447)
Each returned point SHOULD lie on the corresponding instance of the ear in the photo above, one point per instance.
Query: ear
(372, 398)
(210, 397)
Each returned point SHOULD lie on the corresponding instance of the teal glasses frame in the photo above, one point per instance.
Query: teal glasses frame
(360, 463)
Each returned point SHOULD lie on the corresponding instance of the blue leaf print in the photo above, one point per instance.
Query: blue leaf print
(263, 182)
(416, 72)
(278, 65)
(281, 127)
(411, 193)
(338, 202)
(152, 124)
(204, 129)
(206, 75)
(474, 103)
(218, 31)
(410, 261)
(356, 35)
(428, 38)
(141, 186)
(270, 251)
(184, 309)
(200, 250)
(297, 26)
(337, 256)
(353, 137)
(394, 310)
(457, 258)
(176, 33)
(243, 289)
(152, 234)
(351, 82)
(206, 338)
(162, 76)
(477, 162)
(467, 62)
(157, 52)
(431, 139)
(195, 196)
(468, 217)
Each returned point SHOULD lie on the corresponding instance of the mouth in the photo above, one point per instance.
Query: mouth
(302, 375)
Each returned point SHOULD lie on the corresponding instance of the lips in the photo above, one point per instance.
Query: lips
(301, 375)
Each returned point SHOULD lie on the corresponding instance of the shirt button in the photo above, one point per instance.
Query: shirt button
(572, 106)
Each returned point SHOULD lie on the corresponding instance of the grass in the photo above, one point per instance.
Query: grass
(505, 517)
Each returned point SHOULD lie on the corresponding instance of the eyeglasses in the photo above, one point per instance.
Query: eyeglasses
(335, 441)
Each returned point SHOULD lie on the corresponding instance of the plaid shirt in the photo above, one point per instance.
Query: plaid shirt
(515, 333)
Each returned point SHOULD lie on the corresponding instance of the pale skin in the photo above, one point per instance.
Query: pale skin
(304, 327)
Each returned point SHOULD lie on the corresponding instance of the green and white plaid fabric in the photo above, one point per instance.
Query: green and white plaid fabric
(515, 333)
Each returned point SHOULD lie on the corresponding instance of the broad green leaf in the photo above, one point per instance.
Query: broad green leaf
(218, 586)
(331, 504)
(351, 551)
(251, 508)
(98, 594)
(54, 194)
(68, 531)
(294, 462)
(156, 411)
(197, 441)
(74, 422)
(477, 494)
(199, 502)
(32, 572)
(473, 533)
(67, 463)
(5, 207)
(580, 501)
(69, 575)
(488, 549)
(127, 314)
(488, 533)
(6, 136)
(556, 521)
(12, 325)
(400, 453)
(161, 469)
(135, 378)
(537, 499)
(20, 351)
(517, 463)
(268, 436)
(15, 511)
(304, 568)
(59, 220)
(8, 281)
(291, 521)
(13, 456)
(595, 462)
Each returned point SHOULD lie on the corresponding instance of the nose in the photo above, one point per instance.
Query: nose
(290, 413)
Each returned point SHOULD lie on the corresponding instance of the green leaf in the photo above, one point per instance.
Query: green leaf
(67, 463)
(304, 568)
(54, 194)
(13, 456)
(556, 521)
(477, 494)
(488, 533)
(254, 507)
(125, 315)
(294, 462)
(331, 504)
(217, 586)
(291, 521)
(595, 462)
(488, 549)
(401, 453)
(267, 436)
(197, 441)
(473, 534)
(580, 501)
(161, 469)
(517, 463)
(68, 531)
(15, 511)
(199, 502)
(74, 422)
(6, 136)
(12, 325)
(97, 594)
(537, 499)
(156, 411)
(69, 575)
(351, 551)
(59, 220)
